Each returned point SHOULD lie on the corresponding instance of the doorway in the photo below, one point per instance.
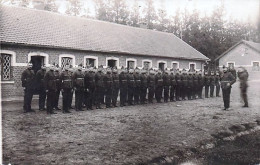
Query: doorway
(111, 63)
(162, 66)
(37, 62)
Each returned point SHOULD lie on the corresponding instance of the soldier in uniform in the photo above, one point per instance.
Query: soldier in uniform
(130, 86)
(99, 87)
(173, 86)
(66, 88)
(184, 78)
(50, 86)
(108, 80)
(137, 86)
(151, 85)
(123, 87)
(58, 86)
(179, 85)
(158, 86)
(217, 83)
(78, 82)
(227, 79)
(143, 87)
(89, 80)
(115, 86)
(233, 71)
(200, 84)
(190, 85)
(71, 71)
(166, 85)
(243, 77)
(212, 83)
(42, 93)
(27, 78)
(206, 83)
(195, 85)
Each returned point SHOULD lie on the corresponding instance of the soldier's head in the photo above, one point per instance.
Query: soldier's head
(66, 67)
(159, 72)
(80, 67)
(137, 71)
(100, 68)
(29, 65)
(131, 71)
(52, 67)
(212, 73)
(43, 67)
(108, 70)
(241, 69)
(206, 72)
(225, 69)
(115, 70)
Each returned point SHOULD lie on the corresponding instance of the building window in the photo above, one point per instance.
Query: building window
(38, 59)
(112, 62)
(147, 64)
(161, 65)
(231, 64)
(66, 61)
(175, 65)
(6, 66)
(91, 61)
(255, 66)
(192, 67)
(131, 63)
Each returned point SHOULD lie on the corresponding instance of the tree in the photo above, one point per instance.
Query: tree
(74, 7)
(119, 12)
(50, 5)
(163, 21)
(135, 15)
(101, 9)
(149, 14)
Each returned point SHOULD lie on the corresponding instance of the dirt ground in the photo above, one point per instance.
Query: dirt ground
(128, 135)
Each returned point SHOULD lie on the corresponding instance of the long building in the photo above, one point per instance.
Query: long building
(42, 37)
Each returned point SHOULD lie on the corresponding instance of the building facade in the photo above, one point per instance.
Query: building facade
(41, 37)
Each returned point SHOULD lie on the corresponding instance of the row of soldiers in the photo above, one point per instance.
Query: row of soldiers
(94, 87)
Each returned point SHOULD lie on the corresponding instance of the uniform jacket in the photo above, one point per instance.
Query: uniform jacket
(243, 77)
(137, 79)
(58, 80)
(200, 80)
(227, 78)
(217, 80)
(99, 79)
(158, 80)
(178, 79)
(166, 80)
(207, 80)
(122, 80)
(89, 80)
(66, 80)
(173, 80)
(40, 78)
(28, 78)
(115, 78)
(184, 79)
(143, 78)
(151, 80)
(195, 80)
(78, 79)
(50, 81)
(212, 79)
(108, 80)
(190, 80)
(130, 80)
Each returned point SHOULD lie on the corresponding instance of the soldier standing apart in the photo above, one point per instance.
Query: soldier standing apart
(123, 87)
(42, 93)
(108, 87)
(99, 87)
(166, 86)
(50, 86)
(217, 83)
(27, 82)
(58, 86)
(173, 87)
(212, 83)
(89, 88)
(151, 85)
(78, 80)
(207, 83)
(66, 88)
(243, 77)
(115, 87)
(130, 86)
(137, 86)
(143, 87)
(158, 86)
(200, 85)
(227, 79)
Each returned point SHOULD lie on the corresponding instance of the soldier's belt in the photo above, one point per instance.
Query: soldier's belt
(160, 80)
(66, 80)
(124, 80)
(109, 81)
(138, 80)
(116, 80)
(132, 80)
(80, 78)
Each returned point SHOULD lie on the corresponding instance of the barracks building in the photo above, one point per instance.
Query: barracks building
(42, 37)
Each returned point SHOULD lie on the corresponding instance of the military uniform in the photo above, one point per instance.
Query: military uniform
(166, 86)
(243, 77)
(227, 79)
(217, 84)
(130, 87)
(158, 87)
(184, 88)
(137, 87)
(42, 93)
(143, 87)
(78, 82)
(66, 87)
(28, 78)
(189, 86)
(206, 84)
(58, 86)
(71, 71)
(212, 84)
(173, 87)
(108, 80)
(115, 87)
(50, 86)
(151, 86)
(195, 86)
(89, 79)
(200, 85)
(99, 81)
(178, 86)
(123, 88)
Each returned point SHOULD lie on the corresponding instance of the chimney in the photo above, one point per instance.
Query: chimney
(38, 4)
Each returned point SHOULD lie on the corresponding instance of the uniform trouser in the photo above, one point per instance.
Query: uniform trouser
(28, 94)
(184, 92)
(102, 95)
(79, 93)
(150, 94)
(178, 92)
(217, 90)
(143, 92)
(65, 99)
(42, 98)
(172, 92)
(166, 93)
(71, 98)
(108, 98)
(226, 96)
(99, 96)
(206, 91)
(50, 100)
(211, 90)
(89, 94)
(57, 96)
(189, 92)
(158, 93)
(194, 91)
(136, 95)
(130, 94)
(123, 95)
(200, 88)
(244, 95)
(115, 91)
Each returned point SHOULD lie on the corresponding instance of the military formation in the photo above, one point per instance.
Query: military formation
(98, 88)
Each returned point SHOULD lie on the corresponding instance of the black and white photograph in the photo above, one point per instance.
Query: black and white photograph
(130, 82)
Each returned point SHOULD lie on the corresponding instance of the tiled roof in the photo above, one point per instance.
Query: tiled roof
(253, 45)
(43, 28)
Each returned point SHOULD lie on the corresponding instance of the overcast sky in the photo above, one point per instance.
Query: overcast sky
(242, 10)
